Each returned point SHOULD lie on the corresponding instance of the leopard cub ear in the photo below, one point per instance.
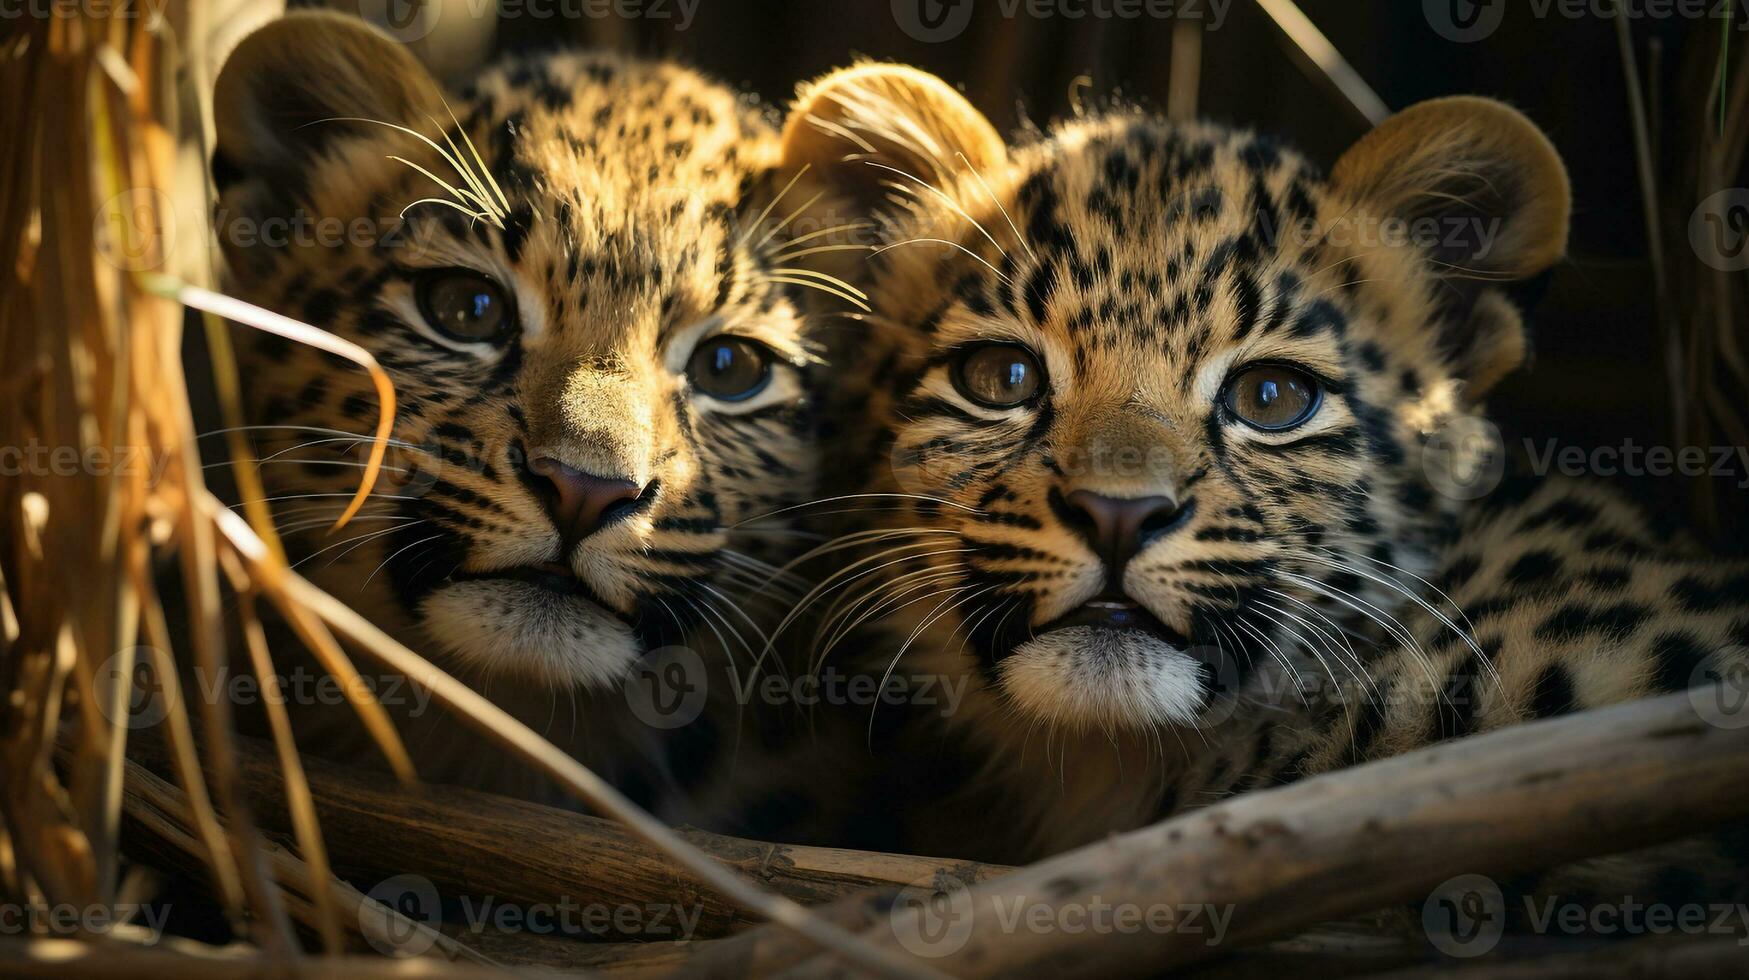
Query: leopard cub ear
(1484, 194)
(865, 128)
(291, 91)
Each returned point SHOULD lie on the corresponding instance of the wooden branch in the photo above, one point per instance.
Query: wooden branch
(152, 826)
(1513, 801)
(482, 845)
(517, 950)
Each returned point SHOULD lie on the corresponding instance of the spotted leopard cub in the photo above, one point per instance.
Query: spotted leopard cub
(599, 368)
(1161, 401)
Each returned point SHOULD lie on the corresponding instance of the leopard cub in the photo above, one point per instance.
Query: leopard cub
(1158, 414)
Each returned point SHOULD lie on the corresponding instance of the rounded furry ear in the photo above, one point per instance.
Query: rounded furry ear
(1472, 176)
(856, 126)
(1481, 191)
(278, 89)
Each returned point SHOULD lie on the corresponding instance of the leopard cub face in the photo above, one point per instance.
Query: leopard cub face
(1161, 397)
(572, 273)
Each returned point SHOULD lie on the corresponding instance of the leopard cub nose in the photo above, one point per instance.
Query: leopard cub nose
(1118, 528)
(580, 503)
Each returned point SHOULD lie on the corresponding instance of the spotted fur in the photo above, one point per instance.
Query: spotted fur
(632, 210)
(1144, 263)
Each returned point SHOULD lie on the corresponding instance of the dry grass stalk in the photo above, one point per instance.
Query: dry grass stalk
(1691, 216)
(1715, 298)
(1323, 64)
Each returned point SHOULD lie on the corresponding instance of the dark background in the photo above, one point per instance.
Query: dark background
(1599, 376)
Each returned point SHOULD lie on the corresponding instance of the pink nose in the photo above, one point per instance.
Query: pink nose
(583, 503)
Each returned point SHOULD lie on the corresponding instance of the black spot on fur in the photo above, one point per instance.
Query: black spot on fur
(1574, 621)
(1553, 694)
(1454, 714)
(1696, 595)
(1562, 513)
(1678, 656)
(1534, 568)
(321, 306)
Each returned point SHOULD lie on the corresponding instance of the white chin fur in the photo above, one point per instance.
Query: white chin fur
(518, 629)
(1088, 677)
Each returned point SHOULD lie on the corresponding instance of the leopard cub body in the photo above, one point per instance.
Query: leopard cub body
(1172, 422)
(572, 272)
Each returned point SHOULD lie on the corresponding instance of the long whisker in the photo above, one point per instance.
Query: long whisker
(942, 241)
(950, 202)
(955, 598)
(385, 562)
(1429, 608)
(998, 202)
(1385, 620)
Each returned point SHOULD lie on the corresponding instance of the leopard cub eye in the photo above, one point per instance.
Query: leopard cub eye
(464, 305)
(1272, 397)
(730, 369)
(998, 375)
